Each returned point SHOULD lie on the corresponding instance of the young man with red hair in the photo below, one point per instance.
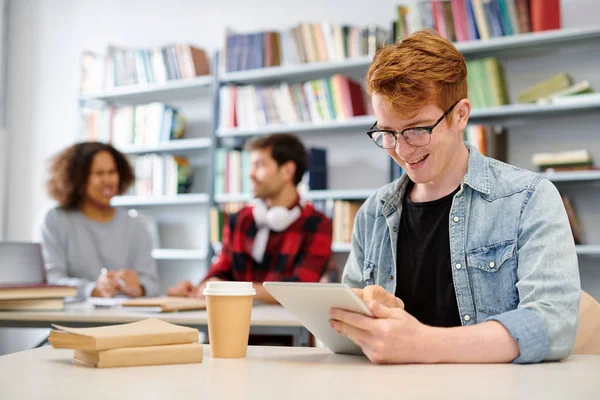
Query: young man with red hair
(464, 258)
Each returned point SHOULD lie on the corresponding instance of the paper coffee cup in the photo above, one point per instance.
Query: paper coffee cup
(229, 307)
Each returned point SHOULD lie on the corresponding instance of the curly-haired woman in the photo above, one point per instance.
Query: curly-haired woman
(88, 243)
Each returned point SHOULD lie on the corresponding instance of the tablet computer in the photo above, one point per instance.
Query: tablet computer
(311, 303)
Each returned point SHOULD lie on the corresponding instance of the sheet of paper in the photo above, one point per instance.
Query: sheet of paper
(107, 302)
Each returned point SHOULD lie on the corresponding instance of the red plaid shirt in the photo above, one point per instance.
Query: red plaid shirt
(300, 253)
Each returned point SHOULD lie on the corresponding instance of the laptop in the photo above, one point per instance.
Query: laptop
(23, 277)
(21, 263)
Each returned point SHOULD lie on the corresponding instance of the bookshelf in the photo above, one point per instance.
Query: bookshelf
(522, 45)
(208, 87)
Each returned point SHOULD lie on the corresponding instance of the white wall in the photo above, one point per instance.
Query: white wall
(3, 138)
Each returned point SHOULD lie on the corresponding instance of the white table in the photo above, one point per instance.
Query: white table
(293, 373)
(266, 319)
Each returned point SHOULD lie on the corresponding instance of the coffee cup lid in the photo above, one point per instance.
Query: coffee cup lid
(229, 289)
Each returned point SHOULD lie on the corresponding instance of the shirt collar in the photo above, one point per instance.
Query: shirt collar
(477, 177)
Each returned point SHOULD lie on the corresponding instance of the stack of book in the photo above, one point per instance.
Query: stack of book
(463, 20)
(146, 124)
(304, 43)
(334, 99)
(30, 297)
(575, 160)
(557, 89)
(160, 175)
(147, 342)
(129, 66)
(486, 83)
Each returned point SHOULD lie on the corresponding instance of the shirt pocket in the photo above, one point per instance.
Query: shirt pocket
(493, 274)
(368, 273)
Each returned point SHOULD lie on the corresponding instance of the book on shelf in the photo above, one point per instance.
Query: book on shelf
(232, 171)
(486, 83)
(342, 214)
(161, 175)
(336, 98)
(35, 291)
(489, 140)
(141, 125)
(464, 20)
(315, 177)
(303, 43)
(557, 97)
(188, 353)
(123, 66)
(545, 88)
(544, 15)
(56, 304)
(564, 160)
(573, 219)
(148, 332)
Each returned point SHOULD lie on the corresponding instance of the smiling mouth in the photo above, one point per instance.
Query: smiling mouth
(418, 160)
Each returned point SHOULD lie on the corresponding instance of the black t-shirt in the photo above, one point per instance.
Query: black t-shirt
(424, 269)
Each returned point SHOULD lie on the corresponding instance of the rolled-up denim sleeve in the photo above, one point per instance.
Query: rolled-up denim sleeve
(545, 322)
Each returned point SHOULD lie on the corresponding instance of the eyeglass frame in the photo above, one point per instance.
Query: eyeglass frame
(429, 130)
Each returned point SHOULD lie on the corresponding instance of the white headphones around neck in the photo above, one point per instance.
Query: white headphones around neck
(276, 219)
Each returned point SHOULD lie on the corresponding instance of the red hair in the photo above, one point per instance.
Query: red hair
(422, 69)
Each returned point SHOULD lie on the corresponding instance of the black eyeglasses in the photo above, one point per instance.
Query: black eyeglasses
(418, 136)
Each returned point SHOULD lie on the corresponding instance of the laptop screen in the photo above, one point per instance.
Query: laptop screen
(21, 263)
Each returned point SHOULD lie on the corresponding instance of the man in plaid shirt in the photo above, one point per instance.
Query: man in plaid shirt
(279, 238)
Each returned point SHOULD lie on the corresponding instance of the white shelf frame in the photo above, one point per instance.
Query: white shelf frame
(350, 194)
(130, 94)
(178, 254)
(355, 123)
(472, 49)
(172, 146)
(588, 250)
(573, 176)
(180, 199)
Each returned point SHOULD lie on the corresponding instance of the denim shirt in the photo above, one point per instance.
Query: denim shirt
(512, 254)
